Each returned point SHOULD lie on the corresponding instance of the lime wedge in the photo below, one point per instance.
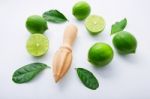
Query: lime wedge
(37, 44)
(95, 24)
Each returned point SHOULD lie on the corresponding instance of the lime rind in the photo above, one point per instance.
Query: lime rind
(37, 44)
(95, 24)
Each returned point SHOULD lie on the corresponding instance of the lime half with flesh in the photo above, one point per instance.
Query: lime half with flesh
(37, 44)
(95, 24)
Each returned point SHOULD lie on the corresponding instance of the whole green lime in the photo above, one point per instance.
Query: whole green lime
(100, 54)
(81, 10)
(125, 42)
(36, 24)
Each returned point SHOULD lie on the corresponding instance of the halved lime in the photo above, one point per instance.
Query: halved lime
(37, 44)
(95, 24)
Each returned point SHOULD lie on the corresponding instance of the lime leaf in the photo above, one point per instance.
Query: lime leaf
(54, 16)
(119, 26)
(28, 72)
(87, 78)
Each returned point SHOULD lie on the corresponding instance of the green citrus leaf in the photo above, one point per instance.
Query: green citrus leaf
(28, 72)
(87, 78)
(119, 26)
(54, 16)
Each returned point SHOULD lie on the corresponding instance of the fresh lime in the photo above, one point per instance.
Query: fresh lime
(95, 24)
(100, 54)
(37, 44)
(125, 42)
(36, 24)
(81, 10)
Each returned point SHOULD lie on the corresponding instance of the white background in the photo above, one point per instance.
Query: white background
(126, 77)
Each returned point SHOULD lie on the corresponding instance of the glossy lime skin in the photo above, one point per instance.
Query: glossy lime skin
(81, 10)
(100, 54)
(125, 42)
(36, 24)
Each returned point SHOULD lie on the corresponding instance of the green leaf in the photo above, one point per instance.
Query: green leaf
(28, 72)
(87, 78)
(119, 26)
(54, 16)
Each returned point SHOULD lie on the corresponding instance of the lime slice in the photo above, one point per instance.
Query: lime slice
(37, 44)
(95, 24)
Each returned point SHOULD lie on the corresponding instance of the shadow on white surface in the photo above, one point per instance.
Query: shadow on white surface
(64, 82)
(106, 71)
(131, 58)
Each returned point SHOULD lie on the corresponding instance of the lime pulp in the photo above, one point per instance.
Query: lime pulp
(37, 44)
(95, 24)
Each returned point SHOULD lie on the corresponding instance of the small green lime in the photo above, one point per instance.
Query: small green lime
(36, 24)
(125, 42)
(94, 24)
(81, 10)
(100, 54)
(37, 44)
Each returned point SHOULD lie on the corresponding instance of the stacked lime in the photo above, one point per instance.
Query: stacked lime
(37, 44)
(94, 23)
